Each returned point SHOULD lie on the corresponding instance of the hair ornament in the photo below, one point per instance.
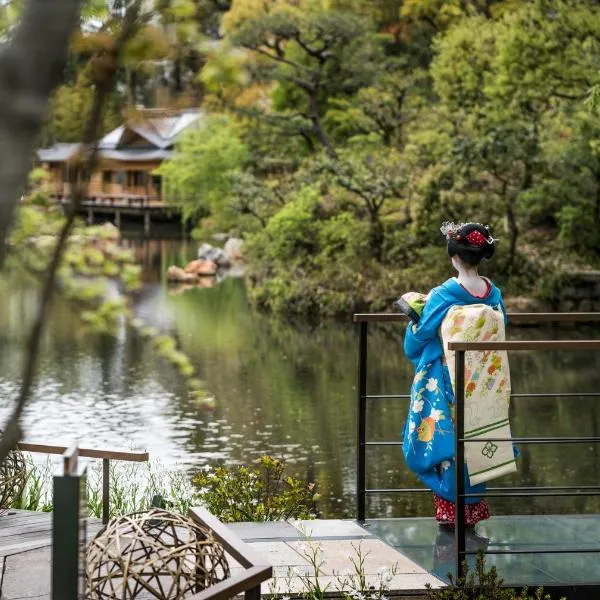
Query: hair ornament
(476, 238)
(450, 229)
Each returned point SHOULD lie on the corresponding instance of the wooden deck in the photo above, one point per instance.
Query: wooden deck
(148, 208)
(25, 551)
(417, 551)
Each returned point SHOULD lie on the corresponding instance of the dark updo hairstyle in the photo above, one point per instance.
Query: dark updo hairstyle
(472, 242)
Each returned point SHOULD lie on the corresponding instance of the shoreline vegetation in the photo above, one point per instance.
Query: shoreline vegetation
(261, 491)
(336, 161)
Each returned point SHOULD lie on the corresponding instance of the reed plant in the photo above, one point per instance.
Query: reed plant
(133, 487)
(37, 493)
(263, 492)
(351, 584)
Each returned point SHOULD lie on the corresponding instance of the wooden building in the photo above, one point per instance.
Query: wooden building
(127, 158)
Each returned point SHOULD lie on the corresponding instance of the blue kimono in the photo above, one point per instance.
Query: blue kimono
(429, 432)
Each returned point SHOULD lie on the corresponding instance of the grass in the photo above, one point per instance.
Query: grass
(351, 584)
(133, 487)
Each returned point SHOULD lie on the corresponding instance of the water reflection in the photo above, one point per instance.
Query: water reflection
(282, 388)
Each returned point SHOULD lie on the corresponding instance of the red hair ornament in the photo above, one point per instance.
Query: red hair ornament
(476, 238)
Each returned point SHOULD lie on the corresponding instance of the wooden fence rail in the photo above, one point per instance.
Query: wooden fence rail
(105, 455)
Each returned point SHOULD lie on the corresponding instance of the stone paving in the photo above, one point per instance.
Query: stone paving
(289, 547)
(25, 553)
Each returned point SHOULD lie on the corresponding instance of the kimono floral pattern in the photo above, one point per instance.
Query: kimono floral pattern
(429, 417)
(428, 435)
(487, 389)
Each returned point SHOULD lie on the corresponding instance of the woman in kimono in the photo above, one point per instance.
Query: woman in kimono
(429, 433)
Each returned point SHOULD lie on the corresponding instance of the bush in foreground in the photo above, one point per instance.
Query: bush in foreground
(482, 584)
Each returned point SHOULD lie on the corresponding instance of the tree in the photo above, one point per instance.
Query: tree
(31, 67)
(312, 56)
(27, 114)
(200, 175)
(69, 113)
(375, 178)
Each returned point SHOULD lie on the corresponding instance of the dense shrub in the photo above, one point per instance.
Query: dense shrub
(255, 493)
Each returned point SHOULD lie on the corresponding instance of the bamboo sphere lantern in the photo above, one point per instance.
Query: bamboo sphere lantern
(153, 554)
(13, 475)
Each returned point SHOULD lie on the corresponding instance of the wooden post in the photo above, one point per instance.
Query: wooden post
(105, 490)
(118, 219)
(90, 218)
(147, 222)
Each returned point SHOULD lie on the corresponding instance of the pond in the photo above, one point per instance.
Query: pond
(286, 389)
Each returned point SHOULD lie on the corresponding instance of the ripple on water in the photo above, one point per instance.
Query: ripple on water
(281, 389)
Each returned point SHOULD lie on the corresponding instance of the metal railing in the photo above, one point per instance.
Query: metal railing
(461, 348)
(105, 455)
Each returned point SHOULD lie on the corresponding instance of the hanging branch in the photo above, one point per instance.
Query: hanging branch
(105, 69)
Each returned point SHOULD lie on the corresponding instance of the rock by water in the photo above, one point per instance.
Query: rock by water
(201, 267)
(178, 275)
(214, 254)
(233, 249)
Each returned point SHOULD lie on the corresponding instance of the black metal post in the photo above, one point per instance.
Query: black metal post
(253, 593)
(459, 456)
(362, 423)
(105, 490)
(68, 536)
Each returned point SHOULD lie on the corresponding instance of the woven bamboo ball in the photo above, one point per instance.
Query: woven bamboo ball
(153, 554)
(13, 475)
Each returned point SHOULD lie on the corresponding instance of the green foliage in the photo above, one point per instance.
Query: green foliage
(133, 486)
(260, 493)
(70, 110)
(36, 493)
(291, 233)
(360, 127)
(482, 584)
(207, 157)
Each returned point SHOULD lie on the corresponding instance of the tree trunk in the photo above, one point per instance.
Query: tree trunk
(513, 233)
(177, 78)
(315, 118)
(31, 66)
(376, 235)
(132, 86)
(597, 207)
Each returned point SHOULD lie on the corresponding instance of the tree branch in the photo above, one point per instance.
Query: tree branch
(105, 78)
(276, 57)
(318, 54)
(31, 66)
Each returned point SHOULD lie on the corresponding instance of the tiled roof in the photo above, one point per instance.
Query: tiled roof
(58, 152)
(160, 131)
(134, 154)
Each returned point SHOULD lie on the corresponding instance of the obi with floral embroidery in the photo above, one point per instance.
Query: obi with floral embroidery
(428, 440)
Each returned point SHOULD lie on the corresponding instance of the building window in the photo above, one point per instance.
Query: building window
(107, 177)
(157, 183)
(135, 178)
